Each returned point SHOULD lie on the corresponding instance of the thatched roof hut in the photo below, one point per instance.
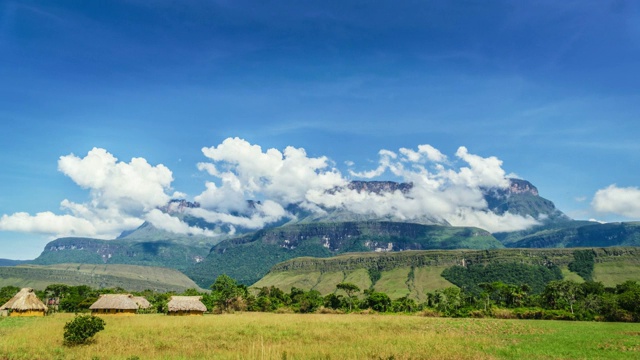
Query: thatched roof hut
(142, 302)
(25, 303)
(186, 305)
(122, 304)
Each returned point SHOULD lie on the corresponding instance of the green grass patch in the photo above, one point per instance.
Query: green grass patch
(428, 279)
(570, 275)
(321, 336)
(394, 282)
(285, 281)
(613, 273)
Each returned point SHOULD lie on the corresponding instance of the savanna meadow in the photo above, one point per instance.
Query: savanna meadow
(246, 335)
(567, 320)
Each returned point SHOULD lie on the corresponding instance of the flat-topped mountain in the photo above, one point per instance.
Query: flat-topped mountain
(248, 255)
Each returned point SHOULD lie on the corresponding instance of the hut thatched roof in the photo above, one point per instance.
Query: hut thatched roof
(24, 300)
(115, 301)
(186, 303)
(142, 302)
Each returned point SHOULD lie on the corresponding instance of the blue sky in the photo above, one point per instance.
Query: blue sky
(550, 88)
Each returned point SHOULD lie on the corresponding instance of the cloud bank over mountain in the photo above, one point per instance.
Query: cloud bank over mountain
(618, 200)
(124, 194)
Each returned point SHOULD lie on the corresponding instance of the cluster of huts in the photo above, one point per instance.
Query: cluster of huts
(26, 303)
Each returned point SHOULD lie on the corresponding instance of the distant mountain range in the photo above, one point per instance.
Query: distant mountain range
(7, 262)
(248, 255)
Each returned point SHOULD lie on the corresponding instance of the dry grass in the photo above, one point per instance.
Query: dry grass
(319, 336)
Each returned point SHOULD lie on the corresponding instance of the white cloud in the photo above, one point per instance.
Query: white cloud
(260, 216)
(124, 194)
(284, 177)
(166, 222)
(120, 194)
(623, 201)
(46, 222)
(385, 162)
(490, 221)
(425, 153)
(440, 193)
(133, 186)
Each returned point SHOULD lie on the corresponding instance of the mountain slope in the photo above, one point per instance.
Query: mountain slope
(249, 257)
(578, 234)
(522, 198)
(8, 262)
(159, 252)
(135, 278)
(413, 273)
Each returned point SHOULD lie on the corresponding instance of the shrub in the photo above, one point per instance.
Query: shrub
(81, 329)
(503, 314)
(429, 313)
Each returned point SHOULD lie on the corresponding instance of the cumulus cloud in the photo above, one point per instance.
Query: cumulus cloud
(120, 194)
(623, 201)
(166, 222)
(133, 186)
(284, 177)
(440, 191)
(259, 216)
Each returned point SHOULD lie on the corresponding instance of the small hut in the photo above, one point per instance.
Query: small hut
(185, 305)
(24, 303)
(143, 304)
(114, 304)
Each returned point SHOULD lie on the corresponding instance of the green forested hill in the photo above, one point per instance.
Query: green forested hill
(160, 252)
(130, 277)
(574, 234)
(247, 258)
(413, 273)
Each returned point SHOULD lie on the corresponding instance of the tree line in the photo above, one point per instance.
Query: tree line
(558, 299)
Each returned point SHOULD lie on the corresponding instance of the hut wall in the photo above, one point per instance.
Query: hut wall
(16, 313)
(117, 312)
(185, 313)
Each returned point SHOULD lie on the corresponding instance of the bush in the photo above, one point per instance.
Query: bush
(429, 313)
(503, 314)
(81, 329)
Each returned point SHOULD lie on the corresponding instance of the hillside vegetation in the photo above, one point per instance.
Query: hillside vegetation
(574, 234)
(160, 252)
(247, 258)
(130, 277)
(413, 273)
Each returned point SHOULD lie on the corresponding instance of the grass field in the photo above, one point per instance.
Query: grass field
(321, 336)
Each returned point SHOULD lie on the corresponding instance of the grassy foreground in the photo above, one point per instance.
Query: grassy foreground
(320, 336)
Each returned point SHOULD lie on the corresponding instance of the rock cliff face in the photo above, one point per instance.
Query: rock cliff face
(178, 206)
(379, 187)
(519, 186)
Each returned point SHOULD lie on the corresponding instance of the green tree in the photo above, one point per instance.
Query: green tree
(404, 304)
(562, 294)
(378, 301)
(226, 292)
(583, 264)
(350, 289)
(7, 292)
